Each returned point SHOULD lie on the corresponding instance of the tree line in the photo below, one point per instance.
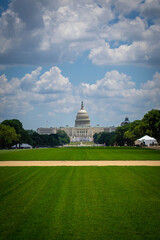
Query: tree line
(13, 133)
(127, 134)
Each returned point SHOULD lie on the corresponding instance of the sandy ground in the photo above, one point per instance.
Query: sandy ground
(79, 163)
(155, 147)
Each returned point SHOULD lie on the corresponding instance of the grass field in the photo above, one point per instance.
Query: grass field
(87, 203)
(82, 153)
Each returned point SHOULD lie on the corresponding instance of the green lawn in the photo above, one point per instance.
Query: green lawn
(87, 203)
(82, 153)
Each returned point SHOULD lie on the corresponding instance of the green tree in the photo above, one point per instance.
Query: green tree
(8, 136)
(120, 138)
(54, 140)
(63, 137)
(43, 140)
(36, 139)
(95, 138)
(101, 138)
(25, 137)
(151, 124)
(134, 131)
(104, 138)
(16, 124)
(109, 139)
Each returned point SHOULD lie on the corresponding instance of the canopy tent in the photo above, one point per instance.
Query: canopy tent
(146, 140)
(22, 146)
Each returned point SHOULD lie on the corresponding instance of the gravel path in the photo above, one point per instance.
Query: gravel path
(79, 163)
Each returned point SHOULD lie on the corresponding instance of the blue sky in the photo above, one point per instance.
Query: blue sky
(54, 54)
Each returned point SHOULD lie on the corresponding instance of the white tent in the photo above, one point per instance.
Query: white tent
(23, 146)
(147, 140)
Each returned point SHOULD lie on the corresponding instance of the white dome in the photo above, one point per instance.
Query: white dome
(82, 118)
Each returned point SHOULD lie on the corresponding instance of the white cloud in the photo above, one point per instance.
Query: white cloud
(125, 30)
(150, 9)
(67, 104)
(51, 32)
(29, 80)
(124, 7)
(7, 87)
(111, 85)
(19, 96)
(41, 29)
(114, 95)
(152, 84)
(117, 94)
(14, 105)
(11, 28)
(53, 81)
(139, 52)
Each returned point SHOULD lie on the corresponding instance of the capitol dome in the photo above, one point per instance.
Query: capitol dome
(125, 122)
(82, 118)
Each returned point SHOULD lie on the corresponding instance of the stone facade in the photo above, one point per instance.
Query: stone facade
(82, 130)
(77, 134)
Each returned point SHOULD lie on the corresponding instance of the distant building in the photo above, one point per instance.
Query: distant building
(82, 130)
(125, 122)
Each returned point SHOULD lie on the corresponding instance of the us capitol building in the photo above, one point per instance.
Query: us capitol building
(82, 130)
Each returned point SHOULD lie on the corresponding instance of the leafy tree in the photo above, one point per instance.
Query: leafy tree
(16, 124)
(95, 138)
(37, 139)
(54, 140)
(63, 137)
(134, 131)
(101, 137)
(120, 138)
(43, 140)
(30, 131)
(109, 139)
(151, 124)
(104, 138)
(8, 136)
(24, 136)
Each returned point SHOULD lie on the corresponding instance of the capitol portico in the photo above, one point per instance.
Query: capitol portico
(82, 130)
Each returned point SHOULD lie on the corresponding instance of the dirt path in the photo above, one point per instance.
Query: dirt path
(79, 163)
(155, 147)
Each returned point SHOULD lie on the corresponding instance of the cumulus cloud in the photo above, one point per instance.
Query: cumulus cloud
(53, 81)
(117, 93)
(29, 80)
(124, 7)
(150, 9)
(43, 31)
(18, 96)
(50, 32)
(16, 104)
(8, 87)
(139, 52)
(111, 85)
(125, 30)
(111, 97)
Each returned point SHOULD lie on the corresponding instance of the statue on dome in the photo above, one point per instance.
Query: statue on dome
(82, 107)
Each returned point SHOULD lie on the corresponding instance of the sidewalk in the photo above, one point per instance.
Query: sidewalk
(79, 163)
